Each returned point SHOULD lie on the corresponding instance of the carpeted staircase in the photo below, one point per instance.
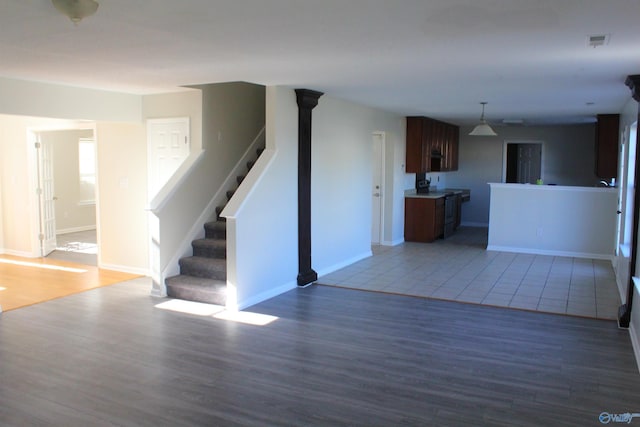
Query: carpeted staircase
(203, 276)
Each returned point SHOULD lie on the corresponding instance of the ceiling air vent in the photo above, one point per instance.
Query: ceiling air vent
(596, 40)
(513, 121)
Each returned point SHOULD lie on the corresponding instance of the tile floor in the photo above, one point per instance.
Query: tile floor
(461, 269)
(79, 247)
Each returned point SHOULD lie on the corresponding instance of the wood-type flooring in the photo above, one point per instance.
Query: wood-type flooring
(332, 357)
(26, 281)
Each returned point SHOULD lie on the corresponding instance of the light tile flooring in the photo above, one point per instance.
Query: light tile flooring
(461, 269)
(79, 247)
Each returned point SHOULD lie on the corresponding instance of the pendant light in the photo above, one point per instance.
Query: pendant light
(483, 129)
(76, 10)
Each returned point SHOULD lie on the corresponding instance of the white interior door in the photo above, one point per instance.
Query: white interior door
(46, 197)
(169, 145)
(377, 189)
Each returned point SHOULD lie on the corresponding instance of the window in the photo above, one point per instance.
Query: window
(87, 168)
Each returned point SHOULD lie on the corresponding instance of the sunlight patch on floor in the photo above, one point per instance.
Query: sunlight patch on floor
(190, 307)
(216, 311)
(247, 317)
(45, 266)
(80, 247)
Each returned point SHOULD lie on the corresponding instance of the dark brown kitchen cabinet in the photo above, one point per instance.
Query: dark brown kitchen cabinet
(432, 145)
(607, 129)
(453, 135)
(418, 156)
(423, 219)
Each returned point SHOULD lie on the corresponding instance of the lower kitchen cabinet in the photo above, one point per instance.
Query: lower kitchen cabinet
(423, 219)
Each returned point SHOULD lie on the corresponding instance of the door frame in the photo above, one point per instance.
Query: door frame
(32, 176)
(525, 141)
(381, 136)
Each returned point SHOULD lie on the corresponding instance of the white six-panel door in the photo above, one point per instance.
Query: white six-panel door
(169, 145)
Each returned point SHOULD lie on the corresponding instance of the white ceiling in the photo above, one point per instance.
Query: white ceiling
(528, 59)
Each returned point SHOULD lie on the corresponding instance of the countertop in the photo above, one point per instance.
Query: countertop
(547, 187)
(435, 194)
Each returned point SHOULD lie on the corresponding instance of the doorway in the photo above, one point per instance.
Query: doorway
(523, 162)
(377, 188)
(66, 192)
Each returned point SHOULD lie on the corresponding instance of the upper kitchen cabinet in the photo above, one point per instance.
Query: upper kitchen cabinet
(607, 129)
(432, 145)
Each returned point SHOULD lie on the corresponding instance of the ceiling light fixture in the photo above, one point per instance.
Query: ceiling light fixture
(483, 129)
(76, 10)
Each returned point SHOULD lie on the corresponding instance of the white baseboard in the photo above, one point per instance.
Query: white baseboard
(158, 290)
(343, 264)
(393, 242)
(76, 229)
(21, 253)
(550, 252)
(255, 299)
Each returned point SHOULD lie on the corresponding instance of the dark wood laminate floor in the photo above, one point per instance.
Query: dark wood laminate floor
(334, 357)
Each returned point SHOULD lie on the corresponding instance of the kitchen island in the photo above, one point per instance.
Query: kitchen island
(553, 220)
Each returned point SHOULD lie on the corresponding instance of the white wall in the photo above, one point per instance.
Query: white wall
(17, 161)
(122, 195)
(264, 259)
(1, 210)
(65, 102)
(634, 325)
(628, 116)
(342, 168)
(553, 220)
(14, 166)
(40, 106)
(186, 103)
(71, 214)
(262, 225)
(233, 114)
(568, 160)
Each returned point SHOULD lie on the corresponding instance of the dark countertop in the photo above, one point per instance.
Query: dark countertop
(465, 193)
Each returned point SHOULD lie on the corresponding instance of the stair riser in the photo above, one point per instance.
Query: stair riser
(206, 272)
(215, 234)
(219, 210)
(198, 296)
(216, 253)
